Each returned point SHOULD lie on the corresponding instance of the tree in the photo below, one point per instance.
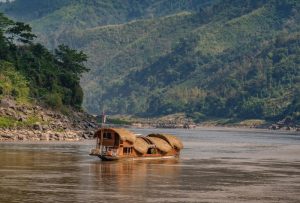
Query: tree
(20, 32)
(71, 60)
(4, 23)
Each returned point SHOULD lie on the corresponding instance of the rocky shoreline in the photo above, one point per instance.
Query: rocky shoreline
(28, 122)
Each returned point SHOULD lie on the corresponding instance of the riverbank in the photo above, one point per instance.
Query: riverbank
(33, 122)
(180, 120)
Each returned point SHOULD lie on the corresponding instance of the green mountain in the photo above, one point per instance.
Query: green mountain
(221, 58)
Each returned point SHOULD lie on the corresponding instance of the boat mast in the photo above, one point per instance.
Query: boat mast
(102, 129)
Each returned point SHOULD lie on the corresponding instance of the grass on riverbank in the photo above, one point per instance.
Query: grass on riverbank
(10, 122)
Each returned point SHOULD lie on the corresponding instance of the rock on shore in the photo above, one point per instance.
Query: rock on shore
(27, 122)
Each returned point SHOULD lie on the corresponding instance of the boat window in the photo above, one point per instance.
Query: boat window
(107, 136)
(127, 150)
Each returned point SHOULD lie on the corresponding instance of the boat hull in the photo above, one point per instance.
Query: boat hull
(111, 158)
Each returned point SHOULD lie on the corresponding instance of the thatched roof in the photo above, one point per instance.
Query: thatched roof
(160, 144)
(141, 145)
(124, 134)
(171, 139)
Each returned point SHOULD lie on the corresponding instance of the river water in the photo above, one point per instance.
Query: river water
(216, 165)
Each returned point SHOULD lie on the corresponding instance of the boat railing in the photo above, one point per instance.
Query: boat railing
(111, 151)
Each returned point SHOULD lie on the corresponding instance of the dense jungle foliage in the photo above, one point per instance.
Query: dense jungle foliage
(207, 58)
(28, 71)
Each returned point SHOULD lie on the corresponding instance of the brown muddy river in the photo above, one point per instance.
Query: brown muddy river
(215, 166)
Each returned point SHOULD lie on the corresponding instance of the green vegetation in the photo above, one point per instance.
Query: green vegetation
(6, 122)
(10, 122)
(243, 66)
(208, 59)
(29, 70)
(12, 83)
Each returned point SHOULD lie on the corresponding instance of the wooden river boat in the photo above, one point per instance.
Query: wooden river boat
(118, 143)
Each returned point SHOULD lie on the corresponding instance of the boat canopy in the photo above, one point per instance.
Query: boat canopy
(171, 139)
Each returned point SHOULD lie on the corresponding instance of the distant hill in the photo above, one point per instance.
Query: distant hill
(220, 58)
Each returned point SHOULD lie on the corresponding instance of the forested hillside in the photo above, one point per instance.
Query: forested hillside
(30, 72)
(218, 58)
(56, 18)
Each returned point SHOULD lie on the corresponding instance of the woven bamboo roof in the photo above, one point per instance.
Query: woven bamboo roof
(141, 145)
(175, 142)
(160, 144)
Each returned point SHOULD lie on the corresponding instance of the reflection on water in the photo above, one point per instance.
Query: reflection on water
(129, 176)
(215, 166)
(126, 173)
